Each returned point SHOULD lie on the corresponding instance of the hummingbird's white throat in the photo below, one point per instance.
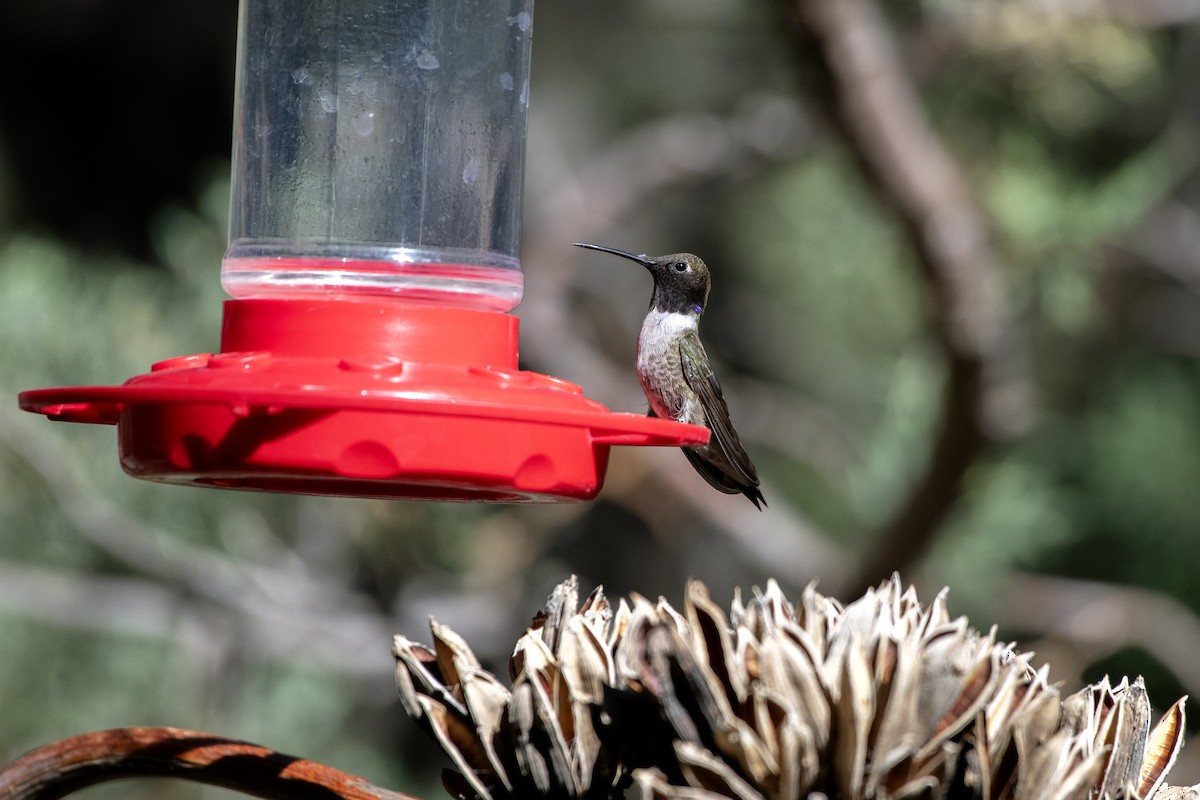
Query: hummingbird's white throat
(660, 328)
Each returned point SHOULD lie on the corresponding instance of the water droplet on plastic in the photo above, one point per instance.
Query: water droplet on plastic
(364, 123)
(364, 86)
(471, 171)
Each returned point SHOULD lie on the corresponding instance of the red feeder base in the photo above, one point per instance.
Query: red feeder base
(367, 399)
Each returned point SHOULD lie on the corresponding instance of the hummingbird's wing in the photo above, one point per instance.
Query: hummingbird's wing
(724, 463)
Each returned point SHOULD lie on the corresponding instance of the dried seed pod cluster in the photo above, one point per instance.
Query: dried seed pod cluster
(881, 698)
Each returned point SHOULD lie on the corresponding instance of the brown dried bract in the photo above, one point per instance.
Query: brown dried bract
(881, 698)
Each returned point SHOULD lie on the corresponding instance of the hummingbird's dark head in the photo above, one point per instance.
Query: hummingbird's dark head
(681, 280)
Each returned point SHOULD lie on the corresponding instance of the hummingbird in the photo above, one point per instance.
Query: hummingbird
(675, 373)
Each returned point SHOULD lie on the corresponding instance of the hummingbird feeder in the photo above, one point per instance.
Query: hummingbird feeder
(374, 231)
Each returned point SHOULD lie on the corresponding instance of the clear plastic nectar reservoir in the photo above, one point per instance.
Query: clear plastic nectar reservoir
(378, 150)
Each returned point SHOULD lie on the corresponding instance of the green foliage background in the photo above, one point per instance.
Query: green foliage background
(1079, 135)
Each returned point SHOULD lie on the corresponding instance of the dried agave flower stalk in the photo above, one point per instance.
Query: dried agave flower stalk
(882, 698)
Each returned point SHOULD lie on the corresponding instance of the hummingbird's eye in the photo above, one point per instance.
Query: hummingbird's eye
(681, 266)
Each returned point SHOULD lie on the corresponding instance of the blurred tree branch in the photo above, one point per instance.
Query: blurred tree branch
(288, 609)
(1168, 240)
(1098, 619)
(863, 82)
(1145, 13)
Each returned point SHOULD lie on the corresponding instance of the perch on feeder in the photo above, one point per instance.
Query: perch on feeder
(373, 257)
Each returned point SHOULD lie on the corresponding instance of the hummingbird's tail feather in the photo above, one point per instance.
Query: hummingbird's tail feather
(755, 496)
(723, 462)
(718, 474)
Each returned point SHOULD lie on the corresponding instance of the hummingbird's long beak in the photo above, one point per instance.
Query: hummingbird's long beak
(641, 259)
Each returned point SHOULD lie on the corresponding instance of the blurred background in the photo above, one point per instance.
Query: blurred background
(964, 346)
